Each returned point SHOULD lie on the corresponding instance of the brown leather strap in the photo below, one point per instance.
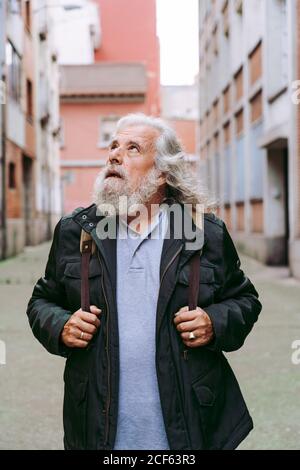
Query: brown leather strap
(85, 262)
(194, 280)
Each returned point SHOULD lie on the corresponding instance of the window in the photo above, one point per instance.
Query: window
(239, 122)
(13, 62)
(255, 64)
(238, 82)
(226, 133)
(208, 119)
(257, 216)
(12, 175)
(28, 15)
(225, 13)
(240, 216)
(107, 130)
(256, 107)
(29, 104)
(215, 41)
(216, 113)
(239, 6)
(226, 100)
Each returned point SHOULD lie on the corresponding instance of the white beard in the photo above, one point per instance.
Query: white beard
(108, 192)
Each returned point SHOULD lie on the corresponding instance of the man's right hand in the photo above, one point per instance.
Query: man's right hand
(80, 328)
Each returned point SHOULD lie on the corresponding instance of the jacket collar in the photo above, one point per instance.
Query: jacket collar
(88, 219)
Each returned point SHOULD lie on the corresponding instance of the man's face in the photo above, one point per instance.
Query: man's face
(130, 170)
(131, 156)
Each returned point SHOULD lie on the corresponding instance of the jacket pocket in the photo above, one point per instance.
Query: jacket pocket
(72, 283)
(209, 394)
(206, 287)
(75, 408)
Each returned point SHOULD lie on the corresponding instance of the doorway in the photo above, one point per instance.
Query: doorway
(278, 203)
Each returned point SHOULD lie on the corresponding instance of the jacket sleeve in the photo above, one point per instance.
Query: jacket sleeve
(237, 307)
(45, 308)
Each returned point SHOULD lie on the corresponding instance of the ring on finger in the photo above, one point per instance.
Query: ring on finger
(192, 335)
(81, 335)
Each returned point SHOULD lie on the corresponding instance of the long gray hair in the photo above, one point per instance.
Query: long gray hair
(183, 184)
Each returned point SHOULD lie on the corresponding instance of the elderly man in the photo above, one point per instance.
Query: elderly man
(143, 319)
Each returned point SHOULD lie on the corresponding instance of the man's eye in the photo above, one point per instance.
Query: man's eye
(113, 146)
(133, 147)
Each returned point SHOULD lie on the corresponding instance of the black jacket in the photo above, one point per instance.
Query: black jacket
(202, 404)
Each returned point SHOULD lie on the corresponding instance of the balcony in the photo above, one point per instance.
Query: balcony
(106, 82)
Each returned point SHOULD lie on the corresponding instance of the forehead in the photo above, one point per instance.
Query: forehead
(142, 134)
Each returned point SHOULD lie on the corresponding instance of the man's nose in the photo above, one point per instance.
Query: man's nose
(115, 156)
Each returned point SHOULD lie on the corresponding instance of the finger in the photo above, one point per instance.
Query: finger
(86, 327)
(187, 326)
(89, 318)
(95, 309)
(84, 336)
(76, 333)
(79, 343)
(182, 309)
(198, 336)
(194, 343)
(185, 316)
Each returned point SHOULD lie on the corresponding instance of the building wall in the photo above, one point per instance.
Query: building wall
(47, 124)
(26, 214)
(186, 130)
(15, 132)
(2, 99)
(76, 31)
(82, 156)
(180, 109)
(127, 34)
(295, 130)
(246, 123)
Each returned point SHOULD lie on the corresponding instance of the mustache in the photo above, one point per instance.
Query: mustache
(114, 170)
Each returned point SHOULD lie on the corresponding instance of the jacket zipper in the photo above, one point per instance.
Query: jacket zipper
(108, 360)
(185, 351)
(169, 264)
(166, 268)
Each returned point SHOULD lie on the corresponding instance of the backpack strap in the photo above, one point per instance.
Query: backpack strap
(194, 280)
(87, 248)
(194, 277)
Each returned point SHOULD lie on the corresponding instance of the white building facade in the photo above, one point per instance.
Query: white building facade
(248, 130)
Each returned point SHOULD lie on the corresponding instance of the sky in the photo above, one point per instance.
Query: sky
(177, 28)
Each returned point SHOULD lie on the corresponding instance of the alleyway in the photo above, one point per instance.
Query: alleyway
(31, 387)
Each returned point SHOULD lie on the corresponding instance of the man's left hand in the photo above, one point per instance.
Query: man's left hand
(196, 322)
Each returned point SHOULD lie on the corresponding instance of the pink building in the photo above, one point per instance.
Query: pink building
(179, 106)
(124, 78)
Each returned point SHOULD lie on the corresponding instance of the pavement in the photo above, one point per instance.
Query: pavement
(31, 385)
